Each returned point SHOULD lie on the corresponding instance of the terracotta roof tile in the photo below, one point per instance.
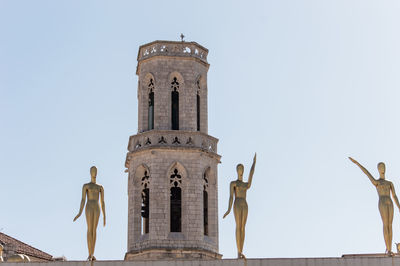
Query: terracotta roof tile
(22, 248)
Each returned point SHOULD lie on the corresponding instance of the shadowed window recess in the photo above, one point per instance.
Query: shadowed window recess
(145, 210)
(205, 204)
(198, 104)
(175, 104)
(151, 105)
(176, 202)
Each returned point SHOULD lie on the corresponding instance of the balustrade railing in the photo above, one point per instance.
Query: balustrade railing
(190, 49)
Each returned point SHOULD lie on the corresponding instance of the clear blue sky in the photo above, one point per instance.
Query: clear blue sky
(305, 83)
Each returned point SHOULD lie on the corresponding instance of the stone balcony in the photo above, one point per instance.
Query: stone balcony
(169, 48)
(172, 139)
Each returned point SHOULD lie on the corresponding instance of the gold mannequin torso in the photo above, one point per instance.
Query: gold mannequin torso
(240, 189)
(93, 191)
(383, 187)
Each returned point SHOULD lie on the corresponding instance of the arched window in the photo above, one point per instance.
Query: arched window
(205, 204)
(151, 105)
(175, 104)
(145, 210)
(176, 202)
(198, 104)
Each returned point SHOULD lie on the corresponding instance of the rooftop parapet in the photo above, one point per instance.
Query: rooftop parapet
(170, 48)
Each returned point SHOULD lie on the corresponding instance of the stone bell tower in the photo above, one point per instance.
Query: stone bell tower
(172, 161)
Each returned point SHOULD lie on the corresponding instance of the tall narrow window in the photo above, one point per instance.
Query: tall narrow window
(205, 204)
(151, 105)
(145, 211)
(175, 104)
(198, 105)
(176, 202)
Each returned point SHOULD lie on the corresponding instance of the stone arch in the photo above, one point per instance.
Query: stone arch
(176, 83)
(150, 102)
(176, 181)
(146, 80)
(139, 172)
(146, 92)
(142, 180)
(206, 195)
(200, 81)
(207, 171)
(211, 175)
(178, 77)
(180, 167)
(199, 96)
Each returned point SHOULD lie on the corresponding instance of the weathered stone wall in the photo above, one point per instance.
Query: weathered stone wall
(191, 164)
(162, 69)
